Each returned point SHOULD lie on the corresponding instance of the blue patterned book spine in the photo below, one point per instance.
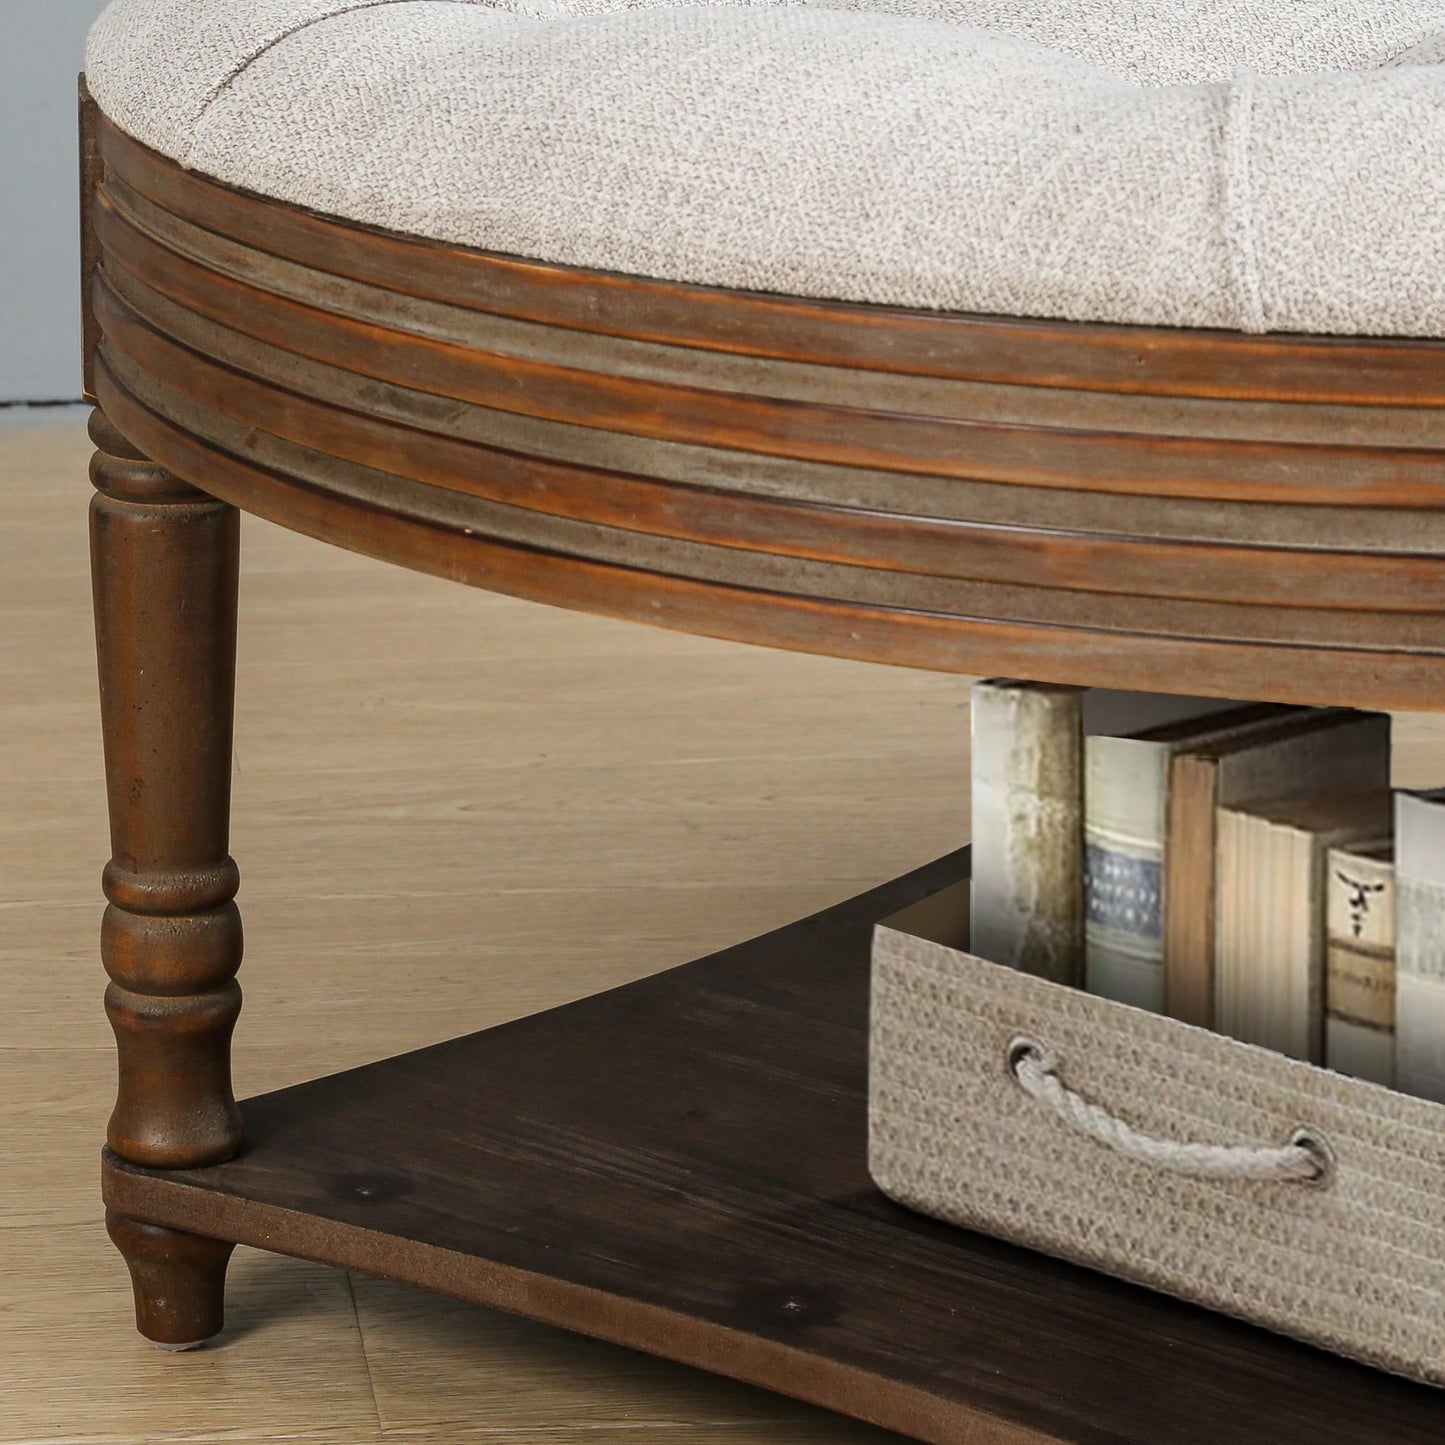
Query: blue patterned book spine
(1124, 824)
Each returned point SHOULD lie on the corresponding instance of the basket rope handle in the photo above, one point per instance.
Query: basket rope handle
(1306, 1158)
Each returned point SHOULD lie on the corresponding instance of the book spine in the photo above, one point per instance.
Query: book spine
(1345, 751)
(1360, 967)
(1189, 885)
(1027, 828)
(1125, 788)
(1231, 914)
(1420, 947)
(1420, 990)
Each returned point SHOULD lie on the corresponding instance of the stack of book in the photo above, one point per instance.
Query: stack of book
(1244, 867)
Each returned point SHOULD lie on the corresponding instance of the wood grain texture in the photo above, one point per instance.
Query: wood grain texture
(722, 470)
(91, 170)
(772, 569)
(450, 547)
(178, 1279)
(1130, 507)
(433, 763)
(680, 1166)
(438, 1362)
(164, 562)
(108, 1386)
(208, 394)
(707, 411)
(353, 386)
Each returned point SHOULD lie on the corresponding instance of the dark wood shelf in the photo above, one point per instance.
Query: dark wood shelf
(680, 1166)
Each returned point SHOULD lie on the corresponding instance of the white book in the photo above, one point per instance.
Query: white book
(1360, 962)
(1420, 945)
(1301, 750)
(1270, 924)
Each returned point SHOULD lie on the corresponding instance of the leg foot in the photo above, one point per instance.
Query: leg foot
(179, 1281)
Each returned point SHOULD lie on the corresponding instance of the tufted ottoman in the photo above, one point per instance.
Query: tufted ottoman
(1085, 342)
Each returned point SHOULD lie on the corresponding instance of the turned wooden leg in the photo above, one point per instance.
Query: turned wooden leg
(179, 1281)
(164, 563)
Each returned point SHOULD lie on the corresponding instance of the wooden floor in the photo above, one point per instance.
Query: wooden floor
(414, 763)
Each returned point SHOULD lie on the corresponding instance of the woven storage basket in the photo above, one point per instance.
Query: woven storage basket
(1353, 1260)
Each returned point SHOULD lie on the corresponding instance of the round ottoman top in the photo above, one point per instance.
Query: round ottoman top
(1262, 165)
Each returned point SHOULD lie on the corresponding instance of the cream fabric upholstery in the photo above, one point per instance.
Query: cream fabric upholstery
(1257, 164)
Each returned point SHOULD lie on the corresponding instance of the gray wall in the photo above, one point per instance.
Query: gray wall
(41, 50)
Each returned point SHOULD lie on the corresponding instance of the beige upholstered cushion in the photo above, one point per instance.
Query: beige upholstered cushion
(1261, 164)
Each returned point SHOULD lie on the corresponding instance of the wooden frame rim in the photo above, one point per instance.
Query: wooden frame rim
(1136, 507)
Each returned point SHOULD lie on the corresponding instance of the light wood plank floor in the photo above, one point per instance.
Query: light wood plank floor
(415, 764)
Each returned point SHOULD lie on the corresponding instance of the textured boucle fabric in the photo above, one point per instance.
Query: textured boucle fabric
(1263, 166)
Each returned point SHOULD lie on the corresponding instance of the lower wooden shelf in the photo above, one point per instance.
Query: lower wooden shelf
(680, 1166)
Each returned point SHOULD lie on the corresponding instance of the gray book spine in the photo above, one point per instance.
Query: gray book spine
(1420, 946)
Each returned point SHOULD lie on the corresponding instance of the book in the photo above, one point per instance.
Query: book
(1295, 751)
(1126, 794)
(1027, 809)
(1270, 914)
(1027, 813)
(1420, 945)
(1360, 961)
